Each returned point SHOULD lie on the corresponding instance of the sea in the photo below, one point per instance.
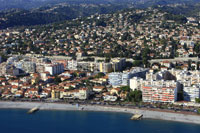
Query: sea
(18, 121)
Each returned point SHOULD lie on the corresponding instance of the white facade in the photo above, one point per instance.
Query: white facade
(188, 43)
(119, 78)
(115, 79)
(136, 83)
(110, 98)
(190, 93)
(72, 65)
(55, 68)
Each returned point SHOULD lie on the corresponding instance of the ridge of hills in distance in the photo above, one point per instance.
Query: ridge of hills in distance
(36, 12)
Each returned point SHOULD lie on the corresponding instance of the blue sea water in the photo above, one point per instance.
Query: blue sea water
(18, 121)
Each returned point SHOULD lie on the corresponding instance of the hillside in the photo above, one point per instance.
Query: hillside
(38, 12)
(50, 14)
(139, 33)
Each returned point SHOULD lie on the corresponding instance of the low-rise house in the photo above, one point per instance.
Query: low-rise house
(155, 66)
(115, 91)
(64, 78)
(123, 95)
(31, 93)
(19, 93)
(71, 94)
(14, 82)
(14, 89)
(45, 94)
(98, 89)
(84, 93)
(6, 93)
(55, 94)
(110, 98)
(166, 64)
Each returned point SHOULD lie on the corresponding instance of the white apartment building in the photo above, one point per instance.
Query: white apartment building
(72, 65)
(136, 83)
(54, 69)
(191, 93)
(123, 78)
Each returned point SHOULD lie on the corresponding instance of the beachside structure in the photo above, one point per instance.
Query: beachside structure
(123, 78)
(136, 83)
(160, 91)
(190, 93)
(82, 93)
(159, 94)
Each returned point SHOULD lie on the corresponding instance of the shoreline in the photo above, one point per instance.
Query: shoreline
(149, 114)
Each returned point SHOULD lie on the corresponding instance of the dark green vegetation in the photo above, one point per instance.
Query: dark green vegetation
(29, 4)
(50, 14)
(37, 12)
(197, 100)
(133, 96)
(191, 10)
(149, 3)
(176, 18)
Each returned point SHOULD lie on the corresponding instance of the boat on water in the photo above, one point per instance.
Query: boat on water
(33, 110)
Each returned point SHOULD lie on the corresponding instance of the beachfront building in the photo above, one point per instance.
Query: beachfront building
(190, 81)
(110, 98)
(136, 83)
(123, 78)
(115, 79)
(160, 91)
(82, 93)
(55, 94)
(159, 94)
(161, 75)
(190, 93)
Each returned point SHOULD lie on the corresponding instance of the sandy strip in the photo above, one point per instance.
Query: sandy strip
(179, 117)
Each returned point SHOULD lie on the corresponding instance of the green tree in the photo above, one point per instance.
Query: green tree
(197, 100)
(125, 88)
(4, 57)
(189, 64)
(197, 65)
(99, 75)
(197, 48)
(135, 96)
(57, 80)
(185, 47)
(198, 111)
(126, 36)
(137, 63)
(145, 56)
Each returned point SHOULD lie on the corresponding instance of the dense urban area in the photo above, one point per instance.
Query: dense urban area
(135, 57)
